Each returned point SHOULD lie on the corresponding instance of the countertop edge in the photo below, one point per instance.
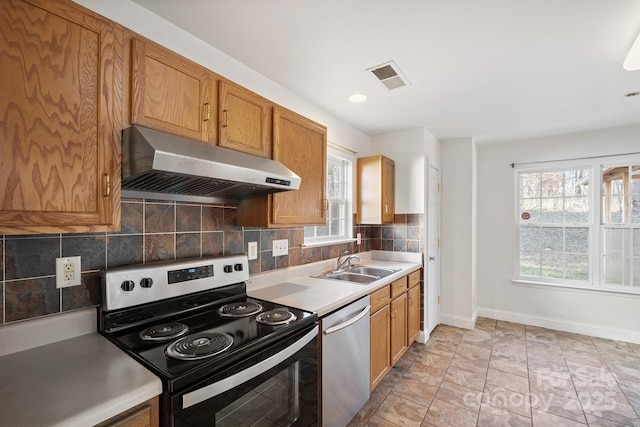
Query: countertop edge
(75, 382)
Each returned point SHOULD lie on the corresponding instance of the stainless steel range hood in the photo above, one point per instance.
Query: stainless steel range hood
(160, 165)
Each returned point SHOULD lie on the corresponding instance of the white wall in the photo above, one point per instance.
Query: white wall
(602, 314)
(149, 25)
(458, 275)
(410, 150)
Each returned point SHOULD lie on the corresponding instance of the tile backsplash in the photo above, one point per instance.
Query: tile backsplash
(154, 231)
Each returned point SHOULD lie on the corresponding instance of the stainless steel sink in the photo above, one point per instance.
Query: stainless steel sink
(361, 275)
(373, 271)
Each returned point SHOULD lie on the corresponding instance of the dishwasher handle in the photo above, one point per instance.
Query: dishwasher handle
(349, 322)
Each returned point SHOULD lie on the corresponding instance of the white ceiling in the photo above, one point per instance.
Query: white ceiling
(491, 69)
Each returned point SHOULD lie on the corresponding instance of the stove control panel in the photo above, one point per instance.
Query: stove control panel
(140, 284)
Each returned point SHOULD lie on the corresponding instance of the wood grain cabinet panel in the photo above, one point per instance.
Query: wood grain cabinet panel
(301, 145)
(375, 195)
(60, 118)
(399, 345)
(380, 362)
(413, 315)
(244, 120)
(143, 415)
(172, 94)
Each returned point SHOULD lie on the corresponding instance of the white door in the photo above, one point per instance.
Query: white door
(433, 249)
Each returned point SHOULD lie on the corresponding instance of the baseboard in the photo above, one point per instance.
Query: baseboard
(457, 321)
(562, 325)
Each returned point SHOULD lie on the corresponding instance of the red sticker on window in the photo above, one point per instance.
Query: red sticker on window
(525, 215)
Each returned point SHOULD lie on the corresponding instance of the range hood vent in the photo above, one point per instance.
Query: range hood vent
(159, 165)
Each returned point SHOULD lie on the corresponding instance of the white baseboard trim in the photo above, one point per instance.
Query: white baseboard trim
(423, 337)
(561, 325)
(457, 321)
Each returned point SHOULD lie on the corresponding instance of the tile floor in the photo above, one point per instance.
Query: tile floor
(508, 374)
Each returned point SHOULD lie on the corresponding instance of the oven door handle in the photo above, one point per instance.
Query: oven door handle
(212, 390)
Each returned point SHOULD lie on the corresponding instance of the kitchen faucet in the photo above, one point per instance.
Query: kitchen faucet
(340, 263)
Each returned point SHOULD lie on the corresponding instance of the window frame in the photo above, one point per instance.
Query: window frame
(347, 235)
(595, 223)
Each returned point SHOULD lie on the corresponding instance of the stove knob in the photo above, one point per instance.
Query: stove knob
(146, 282)
(238, 267)
(127, 285)
(228, 268)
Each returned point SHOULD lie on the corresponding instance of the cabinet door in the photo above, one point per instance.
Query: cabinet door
(398, 327)
(301, 145)
(60, 118)
(413, 317)
(388, 190)
(245, 120)
(379, 356)
(375, 193)
(170, 93)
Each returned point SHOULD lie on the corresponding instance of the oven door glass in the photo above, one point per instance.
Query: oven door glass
(280, 390)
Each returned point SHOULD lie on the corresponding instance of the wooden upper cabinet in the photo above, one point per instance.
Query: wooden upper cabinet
(301, 145)
(244, 120)
(60, 118)
(375, 190)
(172, 94)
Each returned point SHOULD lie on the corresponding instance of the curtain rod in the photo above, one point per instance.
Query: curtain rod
(341, 148)
(513, 165)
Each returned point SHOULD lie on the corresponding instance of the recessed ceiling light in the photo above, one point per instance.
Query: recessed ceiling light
(358, 97)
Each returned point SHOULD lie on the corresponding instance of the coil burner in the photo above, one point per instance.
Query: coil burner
(199, 346)
(280, 316)
(240, 309)
(164, 332)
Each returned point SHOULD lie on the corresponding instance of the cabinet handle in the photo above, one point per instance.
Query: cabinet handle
(410, 301)
(386, 208)
(207, 112)
(224, 118)
(107, 185)
(394, 313)
(326, 204)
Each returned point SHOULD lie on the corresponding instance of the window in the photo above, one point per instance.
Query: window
(569, 234)
(338, 193)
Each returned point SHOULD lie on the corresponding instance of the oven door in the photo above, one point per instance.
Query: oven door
(276, 387)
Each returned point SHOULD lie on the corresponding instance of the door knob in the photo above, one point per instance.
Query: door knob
(432, 258)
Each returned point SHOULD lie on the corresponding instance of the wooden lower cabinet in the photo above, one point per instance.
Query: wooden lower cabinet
(413, 314)
(380, 335)
(143, 415)
(395, 315)
(398, 327)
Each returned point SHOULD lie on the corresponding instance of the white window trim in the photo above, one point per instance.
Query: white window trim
(596, 226)
(330, 240)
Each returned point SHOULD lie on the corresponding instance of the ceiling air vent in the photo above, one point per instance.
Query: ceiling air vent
(389, 74)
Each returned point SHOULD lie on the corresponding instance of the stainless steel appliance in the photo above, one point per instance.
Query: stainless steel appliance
(345, 363)
(224, 359)
(158, 164)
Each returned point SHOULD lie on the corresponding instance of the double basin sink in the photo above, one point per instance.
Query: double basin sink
(362, 275)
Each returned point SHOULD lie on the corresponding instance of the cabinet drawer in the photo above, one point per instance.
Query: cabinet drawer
(414, 279)
(379, 299)
(398, 287)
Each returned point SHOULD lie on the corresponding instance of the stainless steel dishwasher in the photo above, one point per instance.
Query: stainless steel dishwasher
(345, 363)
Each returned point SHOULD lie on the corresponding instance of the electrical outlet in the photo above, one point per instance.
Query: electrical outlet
(358, 239)
(68, 271)
(281, 247)
(252, 250)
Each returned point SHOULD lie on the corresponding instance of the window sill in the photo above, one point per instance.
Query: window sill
(579, 288)
(325, 242)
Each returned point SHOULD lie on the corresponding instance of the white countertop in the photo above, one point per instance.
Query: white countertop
(323, 296)
(79, 381)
